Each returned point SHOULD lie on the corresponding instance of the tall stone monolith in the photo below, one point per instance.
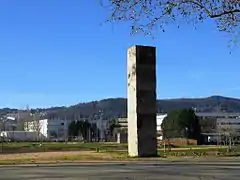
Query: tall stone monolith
(142, 101)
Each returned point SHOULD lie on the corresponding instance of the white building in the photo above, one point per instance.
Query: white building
(21, 136)
(52, 129)
(123, 124)
(160, 118)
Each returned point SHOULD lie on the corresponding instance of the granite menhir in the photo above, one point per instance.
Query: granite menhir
(142, 108)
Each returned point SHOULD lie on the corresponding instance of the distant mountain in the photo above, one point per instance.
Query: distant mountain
(117, 107)
(209, 104)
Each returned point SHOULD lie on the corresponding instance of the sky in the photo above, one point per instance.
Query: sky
(60, 52)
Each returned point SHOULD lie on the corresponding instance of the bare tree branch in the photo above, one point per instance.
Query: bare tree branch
(225, 13)
(146, 15)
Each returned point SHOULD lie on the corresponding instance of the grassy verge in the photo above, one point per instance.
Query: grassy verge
(59, 157)
(25, 153)
(70, 157)
(48, 147)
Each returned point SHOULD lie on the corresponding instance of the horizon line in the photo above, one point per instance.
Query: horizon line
(104, 99)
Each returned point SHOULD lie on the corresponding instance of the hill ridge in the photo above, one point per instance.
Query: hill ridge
(117, 107)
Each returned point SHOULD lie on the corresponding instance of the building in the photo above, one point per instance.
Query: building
(21, 136)
(123, 121)
(226, 129)
(160, 118)
(217, 115)
(223, 126)
(8, 123)
(51, 129)
(121, 133)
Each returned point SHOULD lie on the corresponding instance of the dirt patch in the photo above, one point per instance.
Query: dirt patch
(52, 155)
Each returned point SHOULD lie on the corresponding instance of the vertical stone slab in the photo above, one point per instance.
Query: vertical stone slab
(142, 101)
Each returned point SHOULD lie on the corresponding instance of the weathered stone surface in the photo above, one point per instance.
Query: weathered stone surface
(142, 101)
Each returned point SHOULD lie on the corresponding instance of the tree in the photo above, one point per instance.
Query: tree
(32, 122)
(208, 125)
(94, 131)
(23, 121)
(112, 125)
(147, 15)
(37, 127)
(181, 123)
(228, 134)
(73, 129)
(83, 128)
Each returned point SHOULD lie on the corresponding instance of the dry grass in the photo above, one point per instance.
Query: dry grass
(195, 148)
(42, 155)
(58, 153)
(52, 157)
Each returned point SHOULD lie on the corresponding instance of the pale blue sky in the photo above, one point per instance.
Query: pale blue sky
(56, 52)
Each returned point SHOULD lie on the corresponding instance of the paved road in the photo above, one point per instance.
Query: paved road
(151, 171)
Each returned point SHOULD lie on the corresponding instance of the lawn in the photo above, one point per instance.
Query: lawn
(116, 150)
(19, 153)
(25, 147)
(58, 157)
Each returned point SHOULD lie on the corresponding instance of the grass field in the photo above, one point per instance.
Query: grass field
(18, 153)
(25, 147)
